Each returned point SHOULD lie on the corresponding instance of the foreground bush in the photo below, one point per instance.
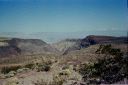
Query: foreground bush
(7, 69)
(111, 69)
(30, 66)
(12, 81)
(43, 67)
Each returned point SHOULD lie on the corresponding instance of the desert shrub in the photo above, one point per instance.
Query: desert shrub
(7, 69)
(58, 80)
(65, 67)
(110, 69)
(65, 72)
(10, 74)
(48, 62)
(30, 66)
(99, 49)
(87, 70)
(103, 49)
(46, 68)
(43, 67)
(22, 70)
(12, 81)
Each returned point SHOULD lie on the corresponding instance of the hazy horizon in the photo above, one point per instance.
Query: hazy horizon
(63, 18)
(53, 37)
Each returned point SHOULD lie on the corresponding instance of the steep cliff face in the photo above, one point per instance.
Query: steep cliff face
(93, 39)
(64, 45)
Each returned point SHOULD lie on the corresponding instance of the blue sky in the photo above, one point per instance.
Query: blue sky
(31, 16)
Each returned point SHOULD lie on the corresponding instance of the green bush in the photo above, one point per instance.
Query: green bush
(43, 67)
(110, 69)
(30, 66)
(46, 67)
(65, 72)
(7, 69)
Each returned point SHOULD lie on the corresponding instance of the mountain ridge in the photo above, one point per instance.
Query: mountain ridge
(77, 44)
(18, 46)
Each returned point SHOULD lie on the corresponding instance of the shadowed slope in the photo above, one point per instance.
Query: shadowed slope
(25, 47)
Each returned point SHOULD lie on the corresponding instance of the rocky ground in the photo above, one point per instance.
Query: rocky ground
(45, 65)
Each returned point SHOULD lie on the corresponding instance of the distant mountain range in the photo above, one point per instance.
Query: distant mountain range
(76, 44)
(52, 37)
(17, 46)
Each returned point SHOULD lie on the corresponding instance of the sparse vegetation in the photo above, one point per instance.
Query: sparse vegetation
(30, 66)
(43, 67)
(112, 68)
(7, 69)
(95, 64)
(12, 81)
(65, 72)
(58, 82)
